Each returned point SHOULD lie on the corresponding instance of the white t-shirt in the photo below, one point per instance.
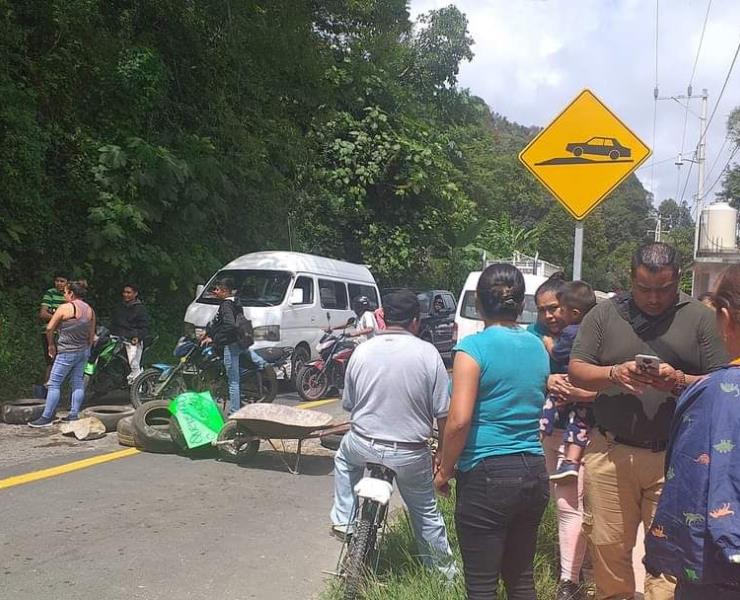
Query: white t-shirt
(367, 321)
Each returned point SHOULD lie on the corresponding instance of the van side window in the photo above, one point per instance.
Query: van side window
(333, 294)
(305, 284)
(356, 290)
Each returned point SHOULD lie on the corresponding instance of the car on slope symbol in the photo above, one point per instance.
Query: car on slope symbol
(600, 146)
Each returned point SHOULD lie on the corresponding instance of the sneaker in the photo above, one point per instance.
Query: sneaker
(565, 470)
(568, 590)
(342, 532)
(70, 417)
(42, 421)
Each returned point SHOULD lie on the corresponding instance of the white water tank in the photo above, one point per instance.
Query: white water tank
(718, 228)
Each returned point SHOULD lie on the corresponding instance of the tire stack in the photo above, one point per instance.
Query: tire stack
(149, 428)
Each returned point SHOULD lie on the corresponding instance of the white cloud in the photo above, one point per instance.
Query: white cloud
(533, 56)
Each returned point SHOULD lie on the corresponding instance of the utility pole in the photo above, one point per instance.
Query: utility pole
(700, 160)
(701, 154)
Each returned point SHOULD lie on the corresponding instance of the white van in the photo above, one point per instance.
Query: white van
(289, 297)
(467, 320)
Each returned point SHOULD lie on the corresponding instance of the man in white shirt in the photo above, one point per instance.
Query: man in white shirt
(396, 385)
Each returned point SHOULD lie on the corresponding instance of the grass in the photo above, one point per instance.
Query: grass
(401, 576)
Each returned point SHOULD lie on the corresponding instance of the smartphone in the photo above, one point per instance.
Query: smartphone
(648, 363)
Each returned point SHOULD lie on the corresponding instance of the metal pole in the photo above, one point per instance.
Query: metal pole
(700, 160)
(578, 251)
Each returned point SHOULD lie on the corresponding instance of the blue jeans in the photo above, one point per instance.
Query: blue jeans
(414, 479)
(232, 352)
(66, 363)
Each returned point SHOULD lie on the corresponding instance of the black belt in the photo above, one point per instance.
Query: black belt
(653, 446)
(404, 445)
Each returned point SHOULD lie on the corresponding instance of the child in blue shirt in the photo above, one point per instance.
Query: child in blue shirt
(576, 299)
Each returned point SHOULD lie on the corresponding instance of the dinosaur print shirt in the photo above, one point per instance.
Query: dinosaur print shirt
(695, 535)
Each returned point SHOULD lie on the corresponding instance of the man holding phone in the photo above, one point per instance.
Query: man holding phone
(639, 351)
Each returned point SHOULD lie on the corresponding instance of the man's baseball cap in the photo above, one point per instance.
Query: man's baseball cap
(400, 306)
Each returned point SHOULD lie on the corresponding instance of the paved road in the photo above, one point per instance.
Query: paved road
(150, 527)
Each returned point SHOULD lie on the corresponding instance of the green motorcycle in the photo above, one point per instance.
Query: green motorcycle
(107, 369)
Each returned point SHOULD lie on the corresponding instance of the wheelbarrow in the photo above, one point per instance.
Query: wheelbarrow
(239, 439)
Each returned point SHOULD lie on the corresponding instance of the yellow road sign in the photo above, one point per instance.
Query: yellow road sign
(584, 154)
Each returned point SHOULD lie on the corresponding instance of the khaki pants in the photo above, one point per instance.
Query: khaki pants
(622, 487)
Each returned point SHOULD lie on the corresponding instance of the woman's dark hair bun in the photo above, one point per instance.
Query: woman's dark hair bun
(78, 288)
(500, 292)
(554, 283)
(558, 276)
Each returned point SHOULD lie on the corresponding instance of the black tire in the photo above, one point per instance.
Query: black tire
(301, 355)
(109, 414)
(361, 549)
(125, 432)
(19, 412)
(614, 154)
(331, 441)
(152, 426)
(142, 389)
(236, 450)
(577, 151)
(311, 384)
(252, 391)
(178, 437)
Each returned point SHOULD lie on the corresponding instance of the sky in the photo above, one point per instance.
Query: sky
(532, 57)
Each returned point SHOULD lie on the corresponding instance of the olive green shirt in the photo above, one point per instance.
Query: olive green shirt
(688, 341)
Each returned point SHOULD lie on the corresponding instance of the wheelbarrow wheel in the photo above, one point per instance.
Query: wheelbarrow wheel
(240, 448)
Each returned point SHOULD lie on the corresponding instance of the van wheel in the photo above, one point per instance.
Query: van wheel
(301, 355)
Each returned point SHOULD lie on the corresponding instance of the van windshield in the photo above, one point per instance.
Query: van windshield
(468, 310)
(253, 287)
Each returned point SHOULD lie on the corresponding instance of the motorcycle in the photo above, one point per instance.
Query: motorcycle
(107, 369)
(317, 377)
(200, 368)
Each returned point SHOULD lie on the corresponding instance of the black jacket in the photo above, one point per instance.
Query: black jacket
(130, 320)
(222, 329)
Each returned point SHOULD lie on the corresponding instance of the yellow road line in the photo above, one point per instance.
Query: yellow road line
(66, 468)
(316, 403)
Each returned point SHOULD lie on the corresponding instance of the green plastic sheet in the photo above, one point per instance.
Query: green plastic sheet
(198, 416)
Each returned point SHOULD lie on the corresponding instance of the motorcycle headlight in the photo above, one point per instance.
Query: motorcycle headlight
(270, 333)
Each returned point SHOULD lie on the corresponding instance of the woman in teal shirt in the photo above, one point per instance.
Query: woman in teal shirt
(498, 387)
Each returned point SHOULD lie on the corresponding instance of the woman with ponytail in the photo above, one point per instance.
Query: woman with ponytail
(491, 442)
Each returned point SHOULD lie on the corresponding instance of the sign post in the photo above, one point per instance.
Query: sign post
(581, 157)
(578, 251)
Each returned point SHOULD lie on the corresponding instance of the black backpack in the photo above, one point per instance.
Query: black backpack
(244, 329)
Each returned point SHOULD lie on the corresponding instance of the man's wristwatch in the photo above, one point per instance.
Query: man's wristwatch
(680, 384)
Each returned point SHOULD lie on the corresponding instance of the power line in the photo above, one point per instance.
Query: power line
(701, 41)
(655, 98)
(722, 172)
(686, 182)
(716, 158)
(721, 92)
(691, 79)
(658, 162)
(711, 116)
